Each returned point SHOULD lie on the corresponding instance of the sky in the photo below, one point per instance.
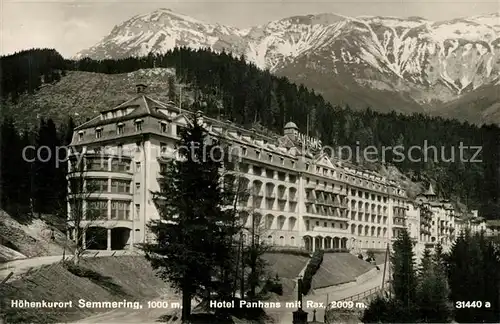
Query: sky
(70, 26)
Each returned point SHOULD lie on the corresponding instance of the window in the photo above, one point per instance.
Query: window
(137, 167)
(282, 161)
(96, 209)
(137, 211)
(163, 148)
(97, 164)
(137, 188)
(98, 133)
(163, 127)
(137, 147)
(119, 150)
(120, 186)
(271, 157)
(120, 210)
(178, 130)
(257, 152)
(119, 166)
(163, 168)
(293, 164)
(97, 185)
(138, 125)
(119, 129)
(80, 136)
(244, 150)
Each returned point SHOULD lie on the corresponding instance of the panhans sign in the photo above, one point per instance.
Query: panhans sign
(310, 142)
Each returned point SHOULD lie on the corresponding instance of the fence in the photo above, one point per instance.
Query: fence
(362, 295)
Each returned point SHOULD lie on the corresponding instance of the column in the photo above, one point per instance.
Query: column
(109, 240)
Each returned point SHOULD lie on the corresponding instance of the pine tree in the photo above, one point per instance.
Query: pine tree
(194, 236)
(426, 263)
(432, 289)
(404, 281)
(172, 95)
(11, 170)
(47, 173)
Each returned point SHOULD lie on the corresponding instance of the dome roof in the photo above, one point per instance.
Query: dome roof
(291, 125)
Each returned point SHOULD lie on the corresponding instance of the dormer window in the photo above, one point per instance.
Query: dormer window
(98, 132)
(119, 128)
(80, 136)
(138, 125)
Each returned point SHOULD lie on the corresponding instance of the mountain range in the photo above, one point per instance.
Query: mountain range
(448, 68)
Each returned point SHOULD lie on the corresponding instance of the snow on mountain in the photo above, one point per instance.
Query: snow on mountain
(427, 60)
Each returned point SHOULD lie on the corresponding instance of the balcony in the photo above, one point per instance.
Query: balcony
(270, 195)
(282, 197)
(257, 193)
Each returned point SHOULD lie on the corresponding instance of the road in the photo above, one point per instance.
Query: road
(284, 315)
(23, 265)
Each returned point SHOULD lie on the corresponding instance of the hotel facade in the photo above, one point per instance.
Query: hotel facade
(300, 196)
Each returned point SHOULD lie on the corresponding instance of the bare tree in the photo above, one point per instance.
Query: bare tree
(84, 207)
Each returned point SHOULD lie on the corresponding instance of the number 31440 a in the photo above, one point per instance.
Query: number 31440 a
(472, 304)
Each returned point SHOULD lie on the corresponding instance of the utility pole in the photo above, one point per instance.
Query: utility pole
(240, 252)
(385, 266)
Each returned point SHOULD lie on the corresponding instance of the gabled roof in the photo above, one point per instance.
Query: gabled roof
(323, 160)
(142, 105)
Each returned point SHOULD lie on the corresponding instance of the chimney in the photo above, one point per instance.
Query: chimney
(140, 87)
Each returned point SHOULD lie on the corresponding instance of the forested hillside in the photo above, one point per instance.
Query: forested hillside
(246, 95)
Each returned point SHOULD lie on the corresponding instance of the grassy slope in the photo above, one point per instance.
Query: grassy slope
(287, 267)
(31, 239)
(118, 278)
(338, 268)
(83, 94)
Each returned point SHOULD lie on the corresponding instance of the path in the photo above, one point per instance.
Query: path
(23, 265)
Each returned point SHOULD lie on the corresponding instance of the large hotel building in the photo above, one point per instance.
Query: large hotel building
(300, 196)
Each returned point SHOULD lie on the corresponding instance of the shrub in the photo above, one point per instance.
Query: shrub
(274, 285)
(311, 269)
(370, 254)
